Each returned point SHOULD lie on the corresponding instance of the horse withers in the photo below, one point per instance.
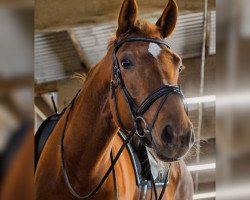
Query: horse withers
(133, 88)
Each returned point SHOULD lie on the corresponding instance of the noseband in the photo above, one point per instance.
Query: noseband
(137, 111)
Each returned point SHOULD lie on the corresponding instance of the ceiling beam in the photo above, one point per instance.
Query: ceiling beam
(79, 50)
(6, 85)
(51, 15)
(45, 88)
(43, 107)
(10, 86)
(11, 107)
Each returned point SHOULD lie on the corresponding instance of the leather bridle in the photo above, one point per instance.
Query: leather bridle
(137, 112)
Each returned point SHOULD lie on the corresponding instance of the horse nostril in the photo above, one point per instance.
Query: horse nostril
(167, 134)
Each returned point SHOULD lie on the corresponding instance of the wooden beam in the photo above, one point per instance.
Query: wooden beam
(67, 90)
(61, 15)
(43, 107)
(6, 85)
(79, 50)
(45, 88)
(52, 86)
(11, 107)
(21, 4)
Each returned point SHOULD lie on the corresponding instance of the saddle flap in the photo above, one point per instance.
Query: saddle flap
(43, 133)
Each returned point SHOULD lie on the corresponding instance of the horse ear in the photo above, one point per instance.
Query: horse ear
(127, 17)
(166, 23)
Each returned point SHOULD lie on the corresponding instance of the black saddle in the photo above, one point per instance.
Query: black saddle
(43, 133)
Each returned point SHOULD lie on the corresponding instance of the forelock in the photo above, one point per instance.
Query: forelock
(146, 27)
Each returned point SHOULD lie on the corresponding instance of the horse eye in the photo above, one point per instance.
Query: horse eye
(126, 63)
(180, 69)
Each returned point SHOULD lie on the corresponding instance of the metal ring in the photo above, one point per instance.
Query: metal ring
(144, 121)
(141, 136)
(145, 126)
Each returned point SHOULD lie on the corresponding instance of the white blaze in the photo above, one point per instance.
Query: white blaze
(165, 82)
(154, 49)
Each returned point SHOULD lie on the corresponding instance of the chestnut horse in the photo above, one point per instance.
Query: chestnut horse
(141, 67)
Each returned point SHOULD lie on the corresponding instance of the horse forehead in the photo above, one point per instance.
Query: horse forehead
(154, 49)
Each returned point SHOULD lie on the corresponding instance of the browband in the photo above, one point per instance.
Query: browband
(139, 39)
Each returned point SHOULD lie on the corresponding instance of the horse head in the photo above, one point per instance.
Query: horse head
(146, 66)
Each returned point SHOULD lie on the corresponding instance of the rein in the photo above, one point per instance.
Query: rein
(110, 169)
(137, 112)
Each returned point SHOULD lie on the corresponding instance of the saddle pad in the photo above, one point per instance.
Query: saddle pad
(43, 134)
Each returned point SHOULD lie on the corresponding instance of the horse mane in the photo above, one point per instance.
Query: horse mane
(82, 77)
(79, 76)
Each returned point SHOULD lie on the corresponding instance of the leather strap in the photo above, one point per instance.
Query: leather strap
(97, 188)
(114, 176)
(140, 39)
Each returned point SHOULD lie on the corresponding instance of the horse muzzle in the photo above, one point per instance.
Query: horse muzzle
(172, 146)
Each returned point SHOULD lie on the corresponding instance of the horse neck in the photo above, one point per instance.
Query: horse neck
(91, 128)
